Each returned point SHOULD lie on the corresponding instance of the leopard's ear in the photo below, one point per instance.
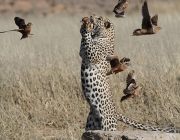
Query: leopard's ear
(107, 25)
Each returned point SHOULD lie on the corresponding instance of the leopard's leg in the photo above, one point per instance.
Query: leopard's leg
(94, 121)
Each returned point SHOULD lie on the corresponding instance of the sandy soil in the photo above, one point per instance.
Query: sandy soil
(129, 135)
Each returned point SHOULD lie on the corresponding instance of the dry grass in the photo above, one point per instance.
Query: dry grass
(40, 91)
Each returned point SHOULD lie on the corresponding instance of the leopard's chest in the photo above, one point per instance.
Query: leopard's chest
(94, 83)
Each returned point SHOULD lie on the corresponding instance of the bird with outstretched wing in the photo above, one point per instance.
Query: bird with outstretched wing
(116, 64)
(131, 89)
(23, 28)
(120, 7)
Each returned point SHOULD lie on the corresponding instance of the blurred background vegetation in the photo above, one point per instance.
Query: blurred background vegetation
(73, 7)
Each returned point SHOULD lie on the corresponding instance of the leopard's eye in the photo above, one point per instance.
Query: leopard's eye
(100, 18)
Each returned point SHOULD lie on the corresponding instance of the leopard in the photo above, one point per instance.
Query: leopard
(97, 43)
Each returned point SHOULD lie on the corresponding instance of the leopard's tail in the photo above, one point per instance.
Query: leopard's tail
(138, 125)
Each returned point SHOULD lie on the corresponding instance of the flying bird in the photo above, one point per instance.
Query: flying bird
(119, 8)
(23, 28)
(116, 64)
(149, 25)
(131, 89)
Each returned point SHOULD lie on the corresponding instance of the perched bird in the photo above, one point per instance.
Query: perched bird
(116, 65)
(86, 22)
(149, 25)
(23, 28)
(131, 89)
(119, 8)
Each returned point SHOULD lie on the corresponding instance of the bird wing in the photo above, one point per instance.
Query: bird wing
(132, 86)
(122, 4)
(20, 22)
(24, 36)
(126, 97)
(125, 61)
(130, 78)
(132, 93)
(146, 21)
(114, 62)
(154, 20)
(12, 30)
(130, 89)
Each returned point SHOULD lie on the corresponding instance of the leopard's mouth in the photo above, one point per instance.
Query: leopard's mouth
(93, 21)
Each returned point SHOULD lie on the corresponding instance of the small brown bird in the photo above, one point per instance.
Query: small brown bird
(149, 25)
(86, 22)
(23, 28)
(119, 8)
(116, 65)
(131, 89)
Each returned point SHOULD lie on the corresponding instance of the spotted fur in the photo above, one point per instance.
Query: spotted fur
(96, 44)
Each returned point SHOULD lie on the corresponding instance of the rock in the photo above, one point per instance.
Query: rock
(129, 135)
